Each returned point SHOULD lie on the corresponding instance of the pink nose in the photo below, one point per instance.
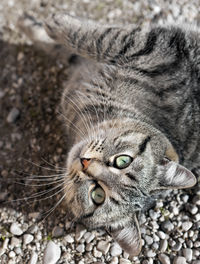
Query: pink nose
(85, 163)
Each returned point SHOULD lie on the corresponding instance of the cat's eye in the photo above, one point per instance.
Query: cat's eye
(98, 195)
(122, 162)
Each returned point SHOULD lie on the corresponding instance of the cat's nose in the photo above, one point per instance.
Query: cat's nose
(85, 163)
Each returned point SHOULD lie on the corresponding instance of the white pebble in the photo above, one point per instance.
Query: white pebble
(15, 229)
(81, 248)
(197, 217)
(114, 260)
(69, 239)
(89, 237)
(164, 259)
(52, 253)
(179, 260)
(124, 261)
(187, 252)
(11, 254)
(27, 238)
(34, 258)
(115, 250)
(103, 246)
(150, 253)
(186, 225)
(15, 242)
(161, 234)
(97, 253)
(13, 115)
(163, 245)
(149, 240)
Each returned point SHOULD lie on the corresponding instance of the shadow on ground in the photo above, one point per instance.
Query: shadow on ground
(32, 83)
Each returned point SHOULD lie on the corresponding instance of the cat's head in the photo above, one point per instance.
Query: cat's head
(114, 174)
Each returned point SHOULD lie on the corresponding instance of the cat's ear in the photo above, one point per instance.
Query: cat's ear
(129, 238)
(175, 176)
(88, 38)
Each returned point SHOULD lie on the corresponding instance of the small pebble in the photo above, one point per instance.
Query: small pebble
(13, 115)
(15, 242)
(124, 261)
(89, 237)
(163, 245)
(164, 259)
(27, 238)
(34, 258)
(149, 240)
(186, 225)
(52, 253)
(11, 254)
(80, 248)
(69, 239)
(187, 252)
(150, 253)
(57, 231)
(114, 260)
(89, 247)
(115, 250)
(2, 93)
(103, 246)
(161, 234)
(167, 226)
(179, 260)
(15, 229)
(97, 253)
(177, 247)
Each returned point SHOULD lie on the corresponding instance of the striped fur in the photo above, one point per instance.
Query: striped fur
(134, 92)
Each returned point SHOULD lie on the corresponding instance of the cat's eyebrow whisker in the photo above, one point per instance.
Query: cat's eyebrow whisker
(39, 185)
(44, 177)
(40, 179)
(75, 129)
(90, 100)
(39, 166)
(18, 173)
(52, 165)
(79, 112)
(87, 113)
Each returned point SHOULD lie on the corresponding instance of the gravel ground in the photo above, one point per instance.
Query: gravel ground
(33, 142)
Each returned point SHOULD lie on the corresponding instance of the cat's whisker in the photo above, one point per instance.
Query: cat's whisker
(21, 173)
(75, 129)
(86, 114)
(38, 194)
(90, 100)
(40, 179)
(39, 185)
(39, 166)
(79, 112)
(54, 166)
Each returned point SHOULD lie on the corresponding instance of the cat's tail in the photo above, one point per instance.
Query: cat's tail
(35, 31)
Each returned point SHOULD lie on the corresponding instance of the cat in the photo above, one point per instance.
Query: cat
(132, 106)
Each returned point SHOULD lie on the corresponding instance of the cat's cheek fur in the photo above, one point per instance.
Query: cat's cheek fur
(175, 176)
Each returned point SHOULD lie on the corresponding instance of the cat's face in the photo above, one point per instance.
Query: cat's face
(112, 176)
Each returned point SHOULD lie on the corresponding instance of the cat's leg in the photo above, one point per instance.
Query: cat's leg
(35, 31)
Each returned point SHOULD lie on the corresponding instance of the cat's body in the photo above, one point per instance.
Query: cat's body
(158, 86)
(132, 107)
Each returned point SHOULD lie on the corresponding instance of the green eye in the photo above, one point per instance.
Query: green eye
(98, 195)
(122, 162)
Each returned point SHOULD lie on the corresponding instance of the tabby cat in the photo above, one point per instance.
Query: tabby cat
(132, 105)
